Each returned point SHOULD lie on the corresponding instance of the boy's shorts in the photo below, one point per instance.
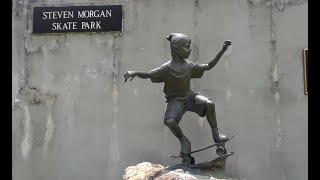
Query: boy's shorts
(193, 102)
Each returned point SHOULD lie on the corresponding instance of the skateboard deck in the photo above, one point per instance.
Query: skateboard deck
(215, 167)
(220, 147)
(210, 164)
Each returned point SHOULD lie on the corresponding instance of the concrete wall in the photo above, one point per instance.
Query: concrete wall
(75, 119)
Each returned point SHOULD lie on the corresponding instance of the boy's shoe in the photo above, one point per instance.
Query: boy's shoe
(218, 136)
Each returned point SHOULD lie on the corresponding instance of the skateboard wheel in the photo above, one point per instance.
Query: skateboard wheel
(186, 161)
(192, 162)
(221, 151)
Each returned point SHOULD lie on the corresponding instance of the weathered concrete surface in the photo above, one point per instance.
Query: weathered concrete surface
(74, 118)
(291, 149)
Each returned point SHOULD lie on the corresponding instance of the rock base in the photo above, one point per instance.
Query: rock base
(212, 168)
(150, 171)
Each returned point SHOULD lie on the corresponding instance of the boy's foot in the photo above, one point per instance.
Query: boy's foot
(185, 145)
(218, 136)
(187, 159)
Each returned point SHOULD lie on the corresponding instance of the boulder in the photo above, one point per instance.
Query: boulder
(150, 171)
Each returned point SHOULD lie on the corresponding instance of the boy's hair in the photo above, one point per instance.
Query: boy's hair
(177, 39)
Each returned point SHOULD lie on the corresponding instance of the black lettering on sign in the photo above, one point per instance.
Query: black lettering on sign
(77, 19)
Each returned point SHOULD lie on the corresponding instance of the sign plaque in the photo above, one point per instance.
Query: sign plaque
(77, 19)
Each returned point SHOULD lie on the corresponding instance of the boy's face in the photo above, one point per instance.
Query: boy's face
(184, 50)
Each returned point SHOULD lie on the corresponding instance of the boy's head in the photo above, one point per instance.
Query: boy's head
(180, 44)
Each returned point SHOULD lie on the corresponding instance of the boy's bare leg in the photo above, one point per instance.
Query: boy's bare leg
(172, 124)
(211, 118)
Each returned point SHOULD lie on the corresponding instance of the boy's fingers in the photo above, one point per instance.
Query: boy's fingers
(132, 78)
(126, 79)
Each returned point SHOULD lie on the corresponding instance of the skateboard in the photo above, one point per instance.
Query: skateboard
(189, 160)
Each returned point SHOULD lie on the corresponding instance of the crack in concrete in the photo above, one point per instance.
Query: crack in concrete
(26, 144)
(276, 76)
(275, 73)
(196, 42)
(49, 126)
(282, 4)
(279, 4)
(114, 146)
(196, 39)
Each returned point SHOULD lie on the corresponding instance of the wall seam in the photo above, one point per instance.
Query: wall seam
(196, 41)
(276, 76)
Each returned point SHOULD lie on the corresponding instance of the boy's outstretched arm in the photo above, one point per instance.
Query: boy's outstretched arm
(213, 62)
(133, 74)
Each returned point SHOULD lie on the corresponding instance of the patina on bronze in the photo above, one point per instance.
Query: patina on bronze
(176, 75)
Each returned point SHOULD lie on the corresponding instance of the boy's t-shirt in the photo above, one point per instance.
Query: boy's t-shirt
(177, 78)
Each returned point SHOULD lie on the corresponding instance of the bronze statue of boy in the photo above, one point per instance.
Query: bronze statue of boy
(176, 75)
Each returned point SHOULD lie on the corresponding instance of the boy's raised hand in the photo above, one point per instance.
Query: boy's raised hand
(128, 75)
(226, 44)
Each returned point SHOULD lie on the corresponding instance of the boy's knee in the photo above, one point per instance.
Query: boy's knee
(170, 122)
